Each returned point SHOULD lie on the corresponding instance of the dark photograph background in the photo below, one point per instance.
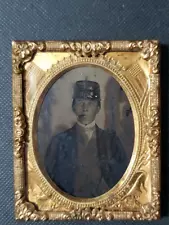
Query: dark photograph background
(78, 20)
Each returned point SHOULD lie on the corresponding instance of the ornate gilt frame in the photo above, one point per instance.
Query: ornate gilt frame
(136, 65)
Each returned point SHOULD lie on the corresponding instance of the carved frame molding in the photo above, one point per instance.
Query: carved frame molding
(23, 52)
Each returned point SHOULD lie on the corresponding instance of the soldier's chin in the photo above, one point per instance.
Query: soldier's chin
(83, 120)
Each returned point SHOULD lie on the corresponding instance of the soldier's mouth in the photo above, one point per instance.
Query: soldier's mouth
(83, 115)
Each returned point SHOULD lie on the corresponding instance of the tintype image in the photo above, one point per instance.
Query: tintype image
(85, 132)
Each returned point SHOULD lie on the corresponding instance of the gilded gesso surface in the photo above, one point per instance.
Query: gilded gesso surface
(135, 67)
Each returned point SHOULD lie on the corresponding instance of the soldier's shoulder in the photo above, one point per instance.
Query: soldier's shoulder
(107, 132)
(64, 135)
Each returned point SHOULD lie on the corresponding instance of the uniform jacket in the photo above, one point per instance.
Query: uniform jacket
(61, 158)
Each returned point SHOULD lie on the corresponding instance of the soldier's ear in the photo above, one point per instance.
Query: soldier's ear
(73, 105)
(73, 108)
(98, 108)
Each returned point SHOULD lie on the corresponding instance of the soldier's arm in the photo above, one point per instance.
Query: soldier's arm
(118, 160)
(118, 150)
(51, 156)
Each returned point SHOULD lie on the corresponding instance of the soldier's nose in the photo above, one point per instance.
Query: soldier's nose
(85, 108)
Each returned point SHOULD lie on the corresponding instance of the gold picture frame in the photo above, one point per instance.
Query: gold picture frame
(135, 65)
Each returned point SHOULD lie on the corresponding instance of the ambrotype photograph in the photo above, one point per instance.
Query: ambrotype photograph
(85, 132)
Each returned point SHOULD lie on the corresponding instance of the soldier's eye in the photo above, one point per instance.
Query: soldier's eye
(79, 101)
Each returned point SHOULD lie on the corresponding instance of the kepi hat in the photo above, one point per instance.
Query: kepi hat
(85, 89)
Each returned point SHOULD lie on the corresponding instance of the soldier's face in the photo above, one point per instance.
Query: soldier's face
(86, 110)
